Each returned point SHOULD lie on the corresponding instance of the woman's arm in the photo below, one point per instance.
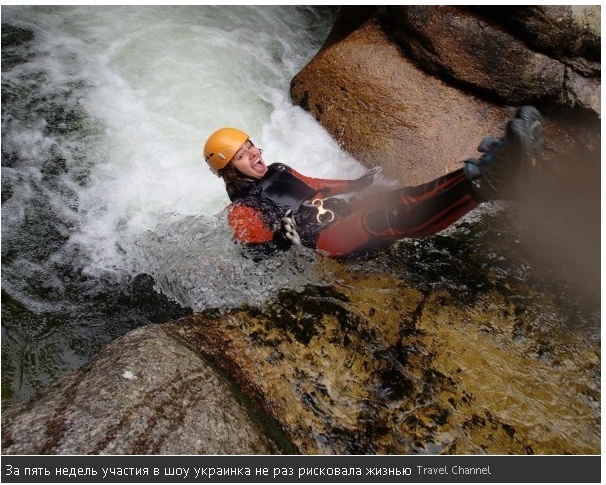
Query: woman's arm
(248, 225)
(250, 228)
(328, 187)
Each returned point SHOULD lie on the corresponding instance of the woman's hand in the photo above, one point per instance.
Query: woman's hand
(289, 228)
(366, 179)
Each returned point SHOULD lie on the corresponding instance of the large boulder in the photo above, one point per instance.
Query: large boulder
(385, 111)
(415, 88)
(145, 393)
(443, 345)
(521, 64)
(560, 31)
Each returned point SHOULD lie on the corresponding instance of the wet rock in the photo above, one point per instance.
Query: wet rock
(499, 63)
(381, 364)
(415, 88)
(385, 111)
(450, 344)
(561, 31)
(146, 393)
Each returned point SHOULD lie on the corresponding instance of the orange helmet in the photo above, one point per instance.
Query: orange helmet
(221, 147)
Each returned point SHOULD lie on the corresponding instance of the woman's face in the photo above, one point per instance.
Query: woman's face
(249, 161)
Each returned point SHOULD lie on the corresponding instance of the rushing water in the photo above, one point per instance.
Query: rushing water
(105, 112)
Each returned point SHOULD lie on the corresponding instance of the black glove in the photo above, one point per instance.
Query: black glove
(488, 144)
(366, 179)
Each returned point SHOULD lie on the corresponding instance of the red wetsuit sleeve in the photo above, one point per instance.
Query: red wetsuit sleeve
(325, 187)
(248, 225)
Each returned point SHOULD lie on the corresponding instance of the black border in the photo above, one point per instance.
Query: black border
(300, 469)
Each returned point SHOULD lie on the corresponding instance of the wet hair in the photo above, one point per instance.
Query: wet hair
(236, 183)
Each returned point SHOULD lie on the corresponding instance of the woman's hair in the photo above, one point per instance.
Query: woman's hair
(236, 183)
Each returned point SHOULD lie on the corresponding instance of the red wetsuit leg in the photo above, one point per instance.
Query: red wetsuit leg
(426, 209)
(349, 235)
(407, 212)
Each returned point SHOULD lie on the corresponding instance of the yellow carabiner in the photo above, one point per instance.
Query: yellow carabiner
(319, 204)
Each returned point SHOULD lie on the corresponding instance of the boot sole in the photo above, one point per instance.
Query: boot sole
(532, 141)
(525, 136)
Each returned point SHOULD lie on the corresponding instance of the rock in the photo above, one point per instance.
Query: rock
(415, 88)
(442, 345)
(526, 63)
(384, 364)
(145, 393)
(385, 111)
(582, 91)
(456, 45)
(560, 31)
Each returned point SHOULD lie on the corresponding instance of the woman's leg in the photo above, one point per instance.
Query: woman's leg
(426, 209)
(381, 219)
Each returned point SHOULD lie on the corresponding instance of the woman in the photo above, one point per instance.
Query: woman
(276, 204)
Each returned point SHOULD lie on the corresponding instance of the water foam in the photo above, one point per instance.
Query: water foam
(154, 82)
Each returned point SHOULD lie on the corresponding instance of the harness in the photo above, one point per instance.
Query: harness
(324, 216)
(283, 188)
(280, 189)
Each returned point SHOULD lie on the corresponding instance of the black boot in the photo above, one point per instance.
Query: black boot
(494, 174)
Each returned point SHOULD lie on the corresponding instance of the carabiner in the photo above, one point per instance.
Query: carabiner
(319, 204)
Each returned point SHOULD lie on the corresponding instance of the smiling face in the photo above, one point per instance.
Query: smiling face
(249, 161)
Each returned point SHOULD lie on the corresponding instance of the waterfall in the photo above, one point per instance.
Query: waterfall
(104, 117)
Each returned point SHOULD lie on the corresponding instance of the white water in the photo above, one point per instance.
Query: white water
(158, 81)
